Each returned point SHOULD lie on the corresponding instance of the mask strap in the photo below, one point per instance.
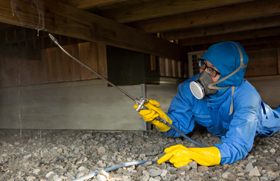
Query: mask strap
(231, 105)
(242, 65)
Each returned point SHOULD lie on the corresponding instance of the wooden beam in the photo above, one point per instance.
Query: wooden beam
(153, 62)
(262, 62)
(87, 4)
(161, 66)
(69, 21)
(19, 52)
(262, 46)
(4, 26)
(30, 39)
(155, 9)
(231, 37)
(248, 44)
(230, 27)
(17, 34)
(206, 17)
(278, 59)
(263, 40)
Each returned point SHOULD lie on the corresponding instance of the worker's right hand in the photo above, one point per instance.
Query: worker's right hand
(153, 112)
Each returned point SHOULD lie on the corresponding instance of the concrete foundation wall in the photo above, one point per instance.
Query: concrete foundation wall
(76, 105)
(92, 104)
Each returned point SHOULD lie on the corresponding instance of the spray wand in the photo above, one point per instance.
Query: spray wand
(140, 102)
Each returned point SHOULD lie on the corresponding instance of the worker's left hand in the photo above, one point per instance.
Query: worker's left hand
(180, 156)
(153, 111)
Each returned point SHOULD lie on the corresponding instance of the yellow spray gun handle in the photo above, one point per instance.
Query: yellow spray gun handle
(140, 102)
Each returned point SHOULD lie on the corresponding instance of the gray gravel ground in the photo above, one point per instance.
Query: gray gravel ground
(65, 155)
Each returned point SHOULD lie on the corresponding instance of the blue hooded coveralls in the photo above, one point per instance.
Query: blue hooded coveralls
(250, 116)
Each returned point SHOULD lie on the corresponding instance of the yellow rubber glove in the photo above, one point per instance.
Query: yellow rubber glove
(180, 156)
(153, 112)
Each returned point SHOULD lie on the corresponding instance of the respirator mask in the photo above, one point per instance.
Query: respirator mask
(199, 88)
(204, 84)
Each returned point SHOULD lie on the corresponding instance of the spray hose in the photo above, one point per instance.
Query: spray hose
(141, 106)
(93, 174)
(186, 137)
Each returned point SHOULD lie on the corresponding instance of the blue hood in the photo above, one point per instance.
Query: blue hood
(225, 57)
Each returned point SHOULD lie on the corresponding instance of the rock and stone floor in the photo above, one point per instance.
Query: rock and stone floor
(43, 155)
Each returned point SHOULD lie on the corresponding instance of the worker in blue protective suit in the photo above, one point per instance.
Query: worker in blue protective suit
(223, 102)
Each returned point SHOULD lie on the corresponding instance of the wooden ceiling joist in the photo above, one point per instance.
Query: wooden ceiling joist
(88, 4)
(237, 12)
(248, 44)
(245, 25)
(262, 46)
(232, 36)
(263, 40)
(161, 8)
(65, 20)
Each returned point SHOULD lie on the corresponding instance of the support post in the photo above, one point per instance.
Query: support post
(146, 126)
